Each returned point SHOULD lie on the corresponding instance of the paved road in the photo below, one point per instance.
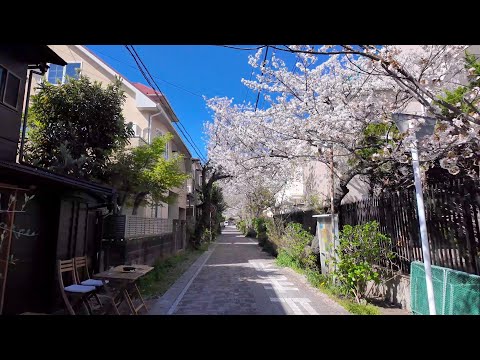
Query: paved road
(235, 277)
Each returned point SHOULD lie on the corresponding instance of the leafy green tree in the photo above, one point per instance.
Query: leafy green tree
(458, 97)
(75, 127)
(378, 139)
(462, 159)
(259, 200)
(142, 173)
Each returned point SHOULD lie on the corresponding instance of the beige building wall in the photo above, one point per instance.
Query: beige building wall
(317, 179)
(138, 109)
(90, 68)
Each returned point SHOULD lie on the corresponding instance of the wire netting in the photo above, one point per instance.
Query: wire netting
(455, 292)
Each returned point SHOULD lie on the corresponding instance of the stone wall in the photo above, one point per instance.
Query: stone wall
(395, 290)
(144, 250)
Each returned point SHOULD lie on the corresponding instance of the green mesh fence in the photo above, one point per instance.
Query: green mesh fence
(455, 292)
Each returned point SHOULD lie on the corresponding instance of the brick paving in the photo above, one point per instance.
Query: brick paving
(236, 278)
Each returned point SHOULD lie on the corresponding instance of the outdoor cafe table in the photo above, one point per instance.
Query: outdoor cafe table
(124, 281)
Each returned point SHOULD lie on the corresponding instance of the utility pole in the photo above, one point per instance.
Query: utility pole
(332, 206)
(332, 190)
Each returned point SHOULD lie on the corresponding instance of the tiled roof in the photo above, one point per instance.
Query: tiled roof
(146, 90)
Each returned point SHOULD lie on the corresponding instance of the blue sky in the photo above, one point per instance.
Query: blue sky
(202, 69)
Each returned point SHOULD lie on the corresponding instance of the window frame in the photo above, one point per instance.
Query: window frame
(47, 74)
(166, 154)
(137, 128)
(3, 90)
(167, 149)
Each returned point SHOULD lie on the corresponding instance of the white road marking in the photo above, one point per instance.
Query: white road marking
(280, 284)
(292, 303)
(262, 267)
(280, 289)
(308, 307)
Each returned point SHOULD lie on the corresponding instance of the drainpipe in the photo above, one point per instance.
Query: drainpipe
(24, 124)
(150, 126)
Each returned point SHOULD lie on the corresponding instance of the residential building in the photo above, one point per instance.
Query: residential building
(194, 186)
(148, 110)
(60, 221)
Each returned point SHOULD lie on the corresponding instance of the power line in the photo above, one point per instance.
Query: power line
(259, 91)
(195, 148)
(156, 87)
(245, 49)
(155, 77)
(192, 143)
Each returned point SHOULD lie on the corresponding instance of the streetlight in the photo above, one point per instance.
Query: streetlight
(404, 122)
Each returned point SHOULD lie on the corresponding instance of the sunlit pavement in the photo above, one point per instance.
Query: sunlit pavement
(236, 278)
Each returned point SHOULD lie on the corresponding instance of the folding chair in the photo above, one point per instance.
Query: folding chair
(83, 277)
(131, 292)
(79, 293)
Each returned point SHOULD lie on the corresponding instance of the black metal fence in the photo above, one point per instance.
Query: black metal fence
(302, 217)
(453, 216)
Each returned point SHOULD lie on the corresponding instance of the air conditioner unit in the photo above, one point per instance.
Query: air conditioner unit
(138, 130)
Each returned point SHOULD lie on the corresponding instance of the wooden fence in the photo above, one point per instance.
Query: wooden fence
(453, 216)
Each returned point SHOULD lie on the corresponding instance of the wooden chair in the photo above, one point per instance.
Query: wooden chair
(79, 293)
(83, 277)
(132, 292)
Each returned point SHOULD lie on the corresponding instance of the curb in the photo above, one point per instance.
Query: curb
(166, 305)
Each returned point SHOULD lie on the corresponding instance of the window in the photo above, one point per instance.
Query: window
(9, 88)
(59, 74)
(55, 74)
(159, 132)
(3, 80)
(167, 149)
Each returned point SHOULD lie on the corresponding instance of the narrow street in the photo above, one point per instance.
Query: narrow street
(236, 278)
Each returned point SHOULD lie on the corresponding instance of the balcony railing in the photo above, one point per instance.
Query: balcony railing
(137, 141)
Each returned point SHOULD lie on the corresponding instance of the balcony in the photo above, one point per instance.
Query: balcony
(137, 141)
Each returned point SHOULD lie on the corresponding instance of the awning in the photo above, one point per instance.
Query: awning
(33, 54)
(27, 175)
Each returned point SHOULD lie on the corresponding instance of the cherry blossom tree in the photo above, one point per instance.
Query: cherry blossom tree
(332, 103)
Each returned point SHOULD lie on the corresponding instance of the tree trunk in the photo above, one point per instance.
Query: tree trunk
(340, 192)
(138, 200)
(121, 199)
(204, 221)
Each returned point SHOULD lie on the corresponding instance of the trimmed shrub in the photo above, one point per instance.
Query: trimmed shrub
(260, 229)
(296, 245)
(360, 248)
(275, 231)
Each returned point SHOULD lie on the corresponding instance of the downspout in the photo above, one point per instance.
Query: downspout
(150, 126)
(24, 124)
(150, 141)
